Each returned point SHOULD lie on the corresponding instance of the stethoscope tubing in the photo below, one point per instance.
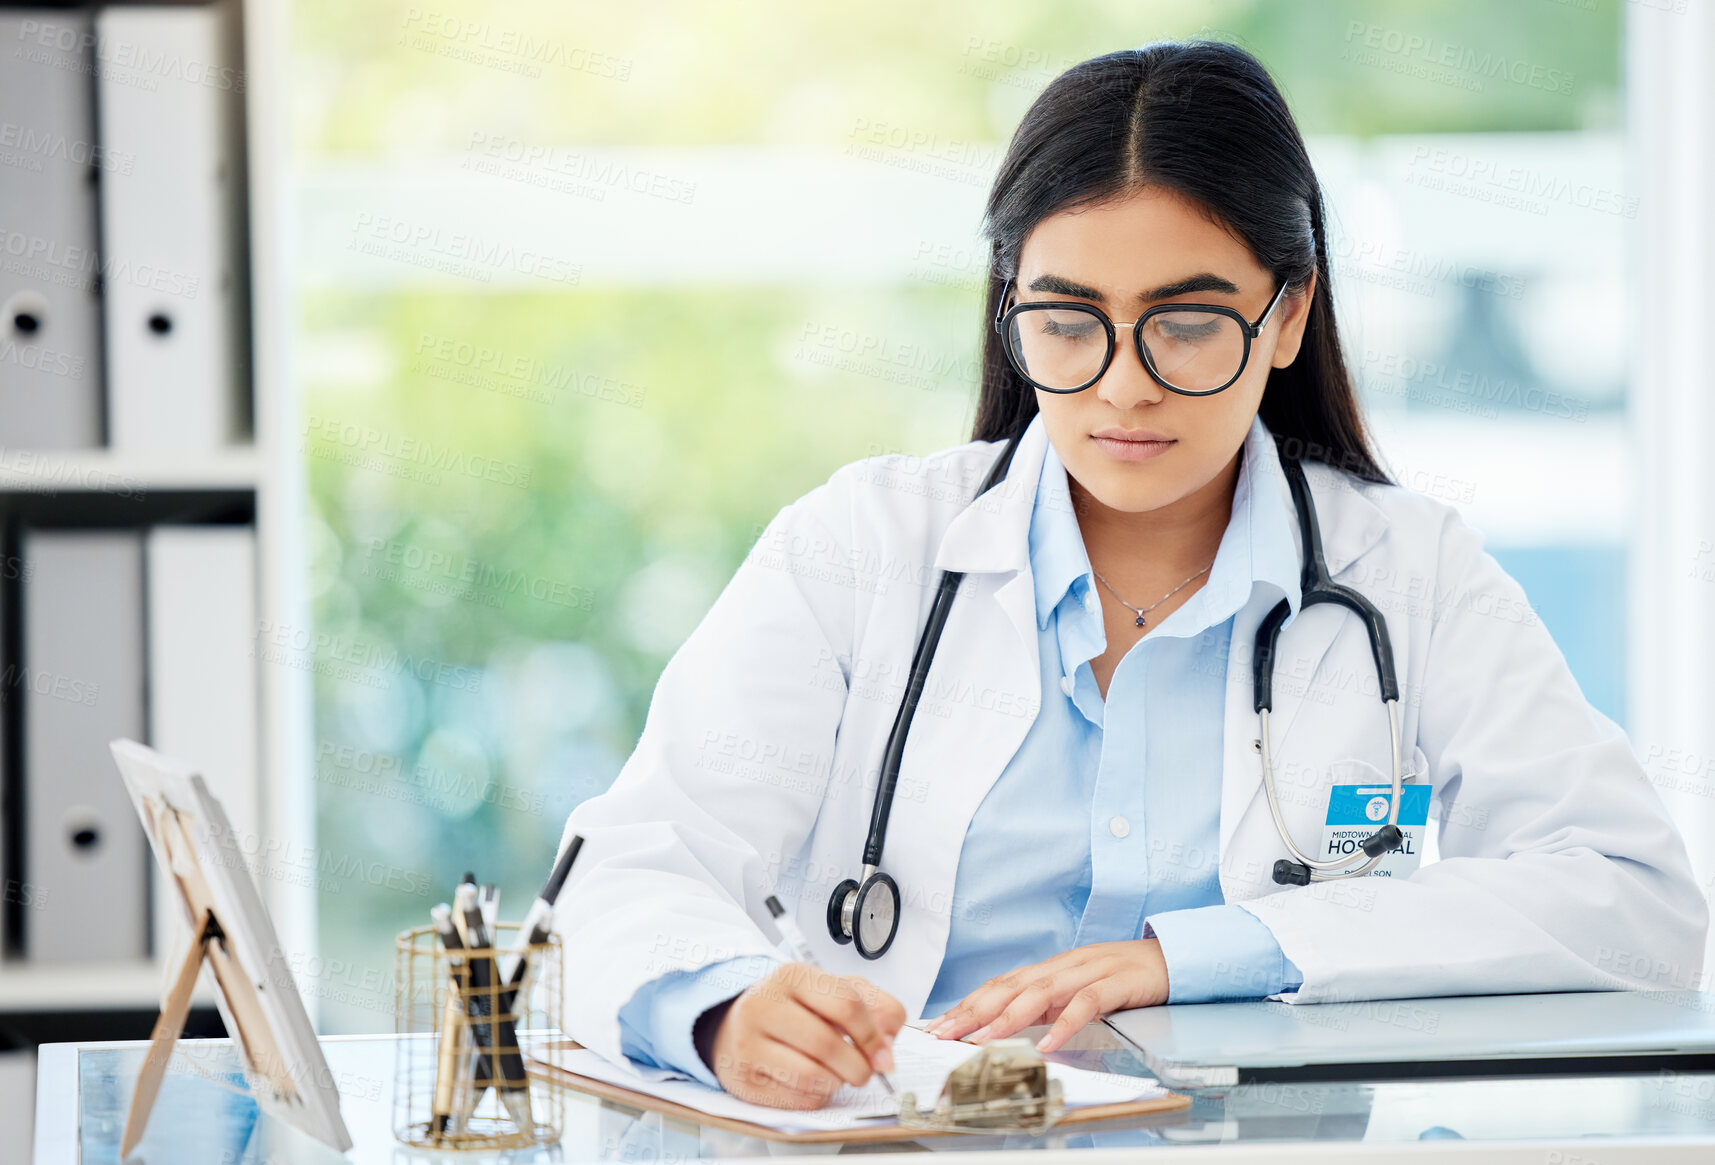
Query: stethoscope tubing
(921, 660)
(1317, 586)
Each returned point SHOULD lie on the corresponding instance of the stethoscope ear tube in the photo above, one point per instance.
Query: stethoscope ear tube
(1317, 586)
(867, 911)
(1263, 660)
(921, 660)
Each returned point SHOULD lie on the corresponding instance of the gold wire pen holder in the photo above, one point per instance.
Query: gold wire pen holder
(460, 1078)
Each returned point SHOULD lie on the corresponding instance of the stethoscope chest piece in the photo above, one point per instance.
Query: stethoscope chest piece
(866, 914)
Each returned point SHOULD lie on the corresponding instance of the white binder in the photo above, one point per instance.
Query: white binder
(82, 685)
(166, 99)
(50, 287)
(201, 587)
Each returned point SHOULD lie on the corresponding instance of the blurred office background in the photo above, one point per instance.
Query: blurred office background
(672, 265)
(559, 303)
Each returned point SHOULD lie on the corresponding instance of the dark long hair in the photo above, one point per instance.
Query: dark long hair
(1202, 118)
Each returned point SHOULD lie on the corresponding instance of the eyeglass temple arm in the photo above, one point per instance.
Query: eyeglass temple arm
(1262, 320)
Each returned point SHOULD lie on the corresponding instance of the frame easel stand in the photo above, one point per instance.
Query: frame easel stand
(168, 1028)
(250, 1029)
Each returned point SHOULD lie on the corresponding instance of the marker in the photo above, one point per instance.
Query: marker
(494, 1036)
(539, 919)
(473, 1082)
(537, 925)
(801, 951)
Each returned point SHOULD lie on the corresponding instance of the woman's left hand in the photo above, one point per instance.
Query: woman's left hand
(1068, 991)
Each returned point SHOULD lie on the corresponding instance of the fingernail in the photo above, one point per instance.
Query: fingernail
(884, 1060)
(980, 1032)
(1042, 1044)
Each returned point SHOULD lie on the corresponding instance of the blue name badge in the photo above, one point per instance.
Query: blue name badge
(1356, 811)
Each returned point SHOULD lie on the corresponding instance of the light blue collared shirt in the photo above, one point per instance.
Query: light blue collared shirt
(1088, 835)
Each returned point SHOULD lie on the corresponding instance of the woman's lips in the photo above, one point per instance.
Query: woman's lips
(1124, 450)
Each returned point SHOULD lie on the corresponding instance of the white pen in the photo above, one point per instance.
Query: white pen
(488, 901)
(801, 951)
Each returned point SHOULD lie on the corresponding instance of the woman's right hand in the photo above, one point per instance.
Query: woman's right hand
(781, 1042)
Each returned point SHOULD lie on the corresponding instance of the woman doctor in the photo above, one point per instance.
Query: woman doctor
(1079, 824)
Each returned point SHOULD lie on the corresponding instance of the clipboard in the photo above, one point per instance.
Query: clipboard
(1083, 1114)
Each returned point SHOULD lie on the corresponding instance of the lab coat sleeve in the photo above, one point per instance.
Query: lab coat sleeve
(725, 782)
(1559, 870)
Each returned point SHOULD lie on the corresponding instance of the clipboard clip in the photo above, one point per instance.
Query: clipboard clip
(1003, 1088)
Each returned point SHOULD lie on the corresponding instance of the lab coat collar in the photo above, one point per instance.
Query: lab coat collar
(994, 534)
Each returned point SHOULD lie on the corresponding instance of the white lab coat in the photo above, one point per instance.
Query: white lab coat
(1558, 867)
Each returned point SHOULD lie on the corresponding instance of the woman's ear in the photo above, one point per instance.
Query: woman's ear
(1295, 313)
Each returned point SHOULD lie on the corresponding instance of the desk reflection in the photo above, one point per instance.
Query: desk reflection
(203, 1114)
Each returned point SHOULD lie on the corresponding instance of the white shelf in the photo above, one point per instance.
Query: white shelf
(65, 471)
(71, 987)
(273, 469)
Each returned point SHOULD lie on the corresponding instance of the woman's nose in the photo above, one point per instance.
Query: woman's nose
(1127, 383)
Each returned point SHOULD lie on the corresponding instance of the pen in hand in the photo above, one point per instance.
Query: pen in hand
(801, 951)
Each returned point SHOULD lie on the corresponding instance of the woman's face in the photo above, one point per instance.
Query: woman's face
(1152, 247)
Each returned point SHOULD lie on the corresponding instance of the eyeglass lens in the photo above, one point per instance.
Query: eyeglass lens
(1066, 347)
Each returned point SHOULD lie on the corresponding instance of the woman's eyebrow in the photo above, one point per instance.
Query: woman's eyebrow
(1203, 281)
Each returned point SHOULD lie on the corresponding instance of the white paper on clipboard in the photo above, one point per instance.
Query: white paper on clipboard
(922, 1063)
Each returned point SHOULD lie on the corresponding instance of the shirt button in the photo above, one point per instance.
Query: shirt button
(1119, 826)
(1091, 604)
(1066, 684)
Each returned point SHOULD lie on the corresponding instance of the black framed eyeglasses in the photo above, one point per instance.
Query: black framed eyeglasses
(1195, 349)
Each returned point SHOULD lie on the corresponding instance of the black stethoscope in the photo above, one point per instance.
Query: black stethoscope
(865, 912)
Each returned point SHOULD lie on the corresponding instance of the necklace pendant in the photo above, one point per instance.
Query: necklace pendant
(1140, 620)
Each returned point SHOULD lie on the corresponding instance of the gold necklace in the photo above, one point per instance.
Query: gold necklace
(1142, 611)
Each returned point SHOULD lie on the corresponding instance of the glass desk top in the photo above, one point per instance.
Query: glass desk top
(202, 1116)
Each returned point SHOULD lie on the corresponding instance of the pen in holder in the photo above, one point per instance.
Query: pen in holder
(469, 1013)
